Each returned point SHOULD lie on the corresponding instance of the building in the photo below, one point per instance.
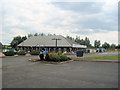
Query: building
(47, 43)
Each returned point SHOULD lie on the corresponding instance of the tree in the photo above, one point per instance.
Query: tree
(77, 39)
(42, 34)
(24, 38)
(82, 42)
(97, 43)
(112, 46)
(36, 34)
(49, 34)
(118, 46)
(106, 45)
(69, 37)
(87, 42)
(17, 40)
(30, 35)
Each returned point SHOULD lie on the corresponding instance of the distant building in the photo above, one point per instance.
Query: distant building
(46, 43)
(0, 45)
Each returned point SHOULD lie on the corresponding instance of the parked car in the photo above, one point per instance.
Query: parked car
(103, 49)
(13, 50)
(5, 50)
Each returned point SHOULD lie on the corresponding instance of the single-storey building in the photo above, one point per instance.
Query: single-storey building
(49, 43)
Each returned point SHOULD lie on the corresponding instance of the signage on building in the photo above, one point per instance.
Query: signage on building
(79, 46)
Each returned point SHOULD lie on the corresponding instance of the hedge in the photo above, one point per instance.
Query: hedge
(34, 52)
(56, 57)
(22, 52)
(9, 53)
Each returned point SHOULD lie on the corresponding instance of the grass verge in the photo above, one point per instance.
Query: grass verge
(102, 58)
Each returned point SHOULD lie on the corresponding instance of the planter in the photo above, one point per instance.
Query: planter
(2, 55)
(27, 54)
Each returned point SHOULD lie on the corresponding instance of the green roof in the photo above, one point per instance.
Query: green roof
(46, 41)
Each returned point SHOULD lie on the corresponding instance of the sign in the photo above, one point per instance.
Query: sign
(79, 46)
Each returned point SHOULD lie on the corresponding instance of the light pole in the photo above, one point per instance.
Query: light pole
(56, 42)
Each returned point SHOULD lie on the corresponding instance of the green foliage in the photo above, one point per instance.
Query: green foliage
(17, 40)
(81, 41)
(106, 45)
(63, 58)
(70, 37)
(118, 46)
(22, 52)
(97, 44)
(56, 57)
(87, 42)
(24, 38)
(112, 46)
(42, 34)
(30, 35)
(36, 34)
(59, 53)
(102, 58)
(49, 34)
(34, 52)
(9, 53)
(47, 58)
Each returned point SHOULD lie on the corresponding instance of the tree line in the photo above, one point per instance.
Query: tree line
(97, 43)
(18, 39)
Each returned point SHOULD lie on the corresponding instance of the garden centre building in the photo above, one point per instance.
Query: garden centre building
(48, 43)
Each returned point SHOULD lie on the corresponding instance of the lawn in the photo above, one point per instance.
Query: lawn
(102, 58)
(112, 51)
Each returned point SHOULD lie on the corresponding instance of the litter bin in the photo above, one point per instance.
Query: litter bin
(88, 51)
(79, 53)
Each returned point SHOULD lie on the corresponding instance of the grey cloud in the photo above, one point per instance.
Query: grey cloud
(82, 7)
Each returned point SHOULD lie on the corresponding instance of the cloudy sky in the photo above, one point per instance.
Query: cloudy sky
(96, 20)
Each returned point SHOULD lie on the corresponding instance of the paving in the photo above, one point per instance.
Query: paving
(18, 72)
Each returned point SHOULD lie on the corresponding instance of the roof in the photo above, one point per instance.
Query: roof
(46, 41)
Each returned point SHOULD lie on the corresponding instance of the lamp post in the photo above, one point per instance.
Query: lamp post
(56, 42)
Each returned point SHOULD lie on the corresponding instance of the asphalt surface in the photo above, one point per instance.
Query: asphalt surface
(18, 72)
(98, 54)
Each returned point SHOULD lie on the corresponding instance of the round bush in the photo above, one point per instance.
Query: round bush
(47, 57)
(22, 52)
(56, 58)
(63, 58)
(9, 53)
(34, 52)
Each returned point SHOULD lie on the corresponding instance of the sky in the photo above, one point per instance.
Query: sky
(97, 20)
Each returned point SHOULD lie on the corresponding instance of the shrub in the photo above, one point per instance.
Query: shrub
(53, 53)
(56, 57)
(69, 58)
(34, 52)
(51, 57)
(9, 53)
(47, 57)
(22, 52)
(59, 53)
(63, 58)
